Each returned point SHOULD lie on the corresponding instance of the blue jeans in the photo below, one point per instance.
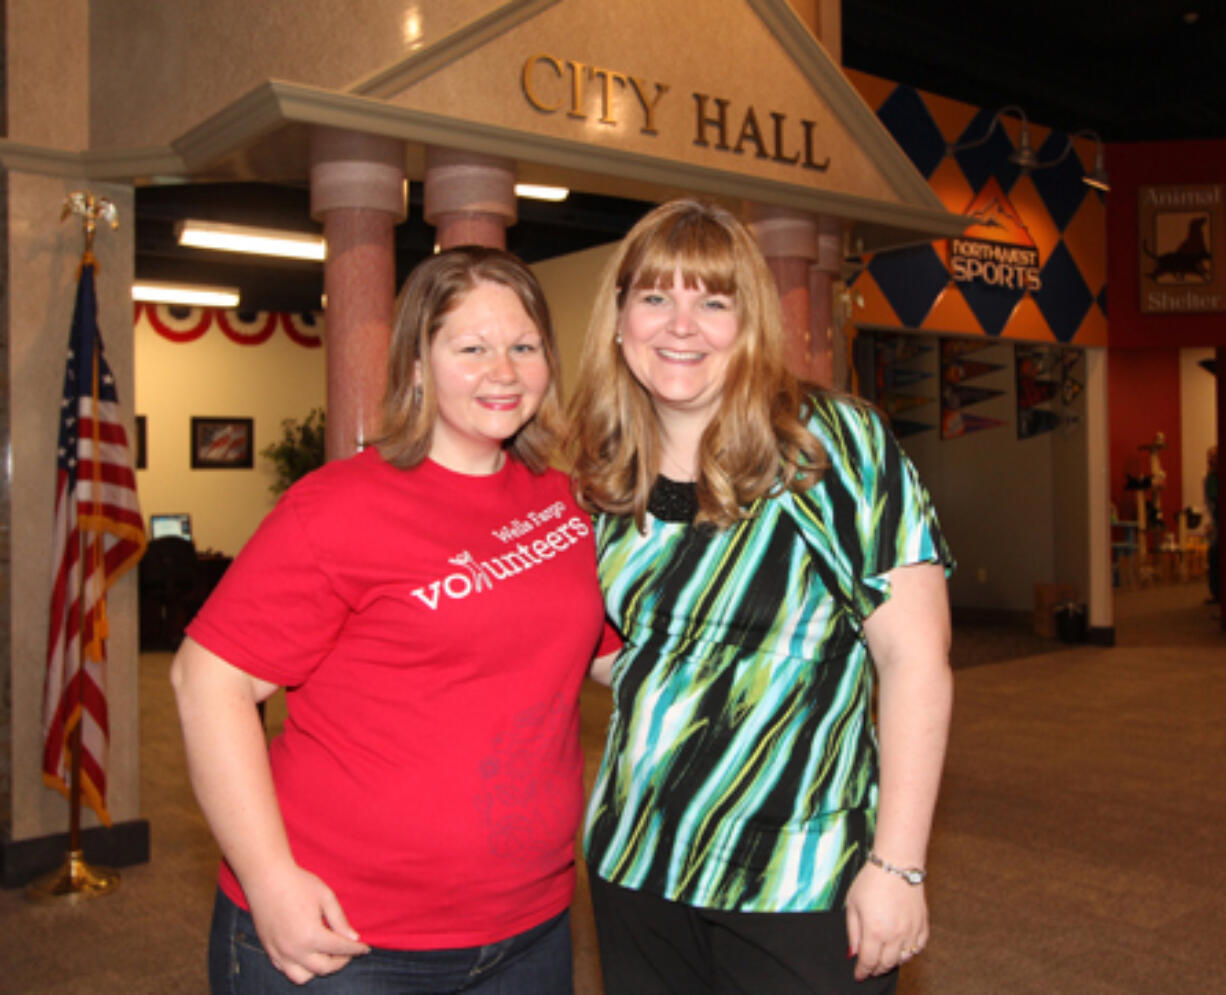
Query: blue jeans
(535, 962)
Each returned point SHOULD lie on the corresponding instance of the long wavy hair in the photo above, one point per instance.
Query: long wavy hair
(756, 443)
(434, 289)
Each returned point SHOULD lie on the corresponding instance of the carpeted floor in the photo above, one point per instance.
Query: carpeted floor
(1077, 847)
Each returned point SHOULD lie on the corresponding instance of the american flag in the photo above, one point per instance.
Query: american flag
(99, 534)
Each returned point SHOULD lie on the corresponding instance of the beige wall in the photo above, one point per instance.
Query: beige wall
(569, 282)
(205, 53)
(215, 377)
(45, 42)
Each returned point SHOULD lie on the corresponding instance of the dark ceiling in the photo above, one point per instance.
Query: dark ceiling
(1132, 70)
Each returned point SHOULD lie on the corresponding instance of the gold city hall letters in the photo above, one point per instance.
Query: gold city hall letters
(551, 84)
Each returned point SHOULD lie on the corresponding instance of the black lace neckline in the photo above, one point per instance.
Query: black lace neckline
(673, 500)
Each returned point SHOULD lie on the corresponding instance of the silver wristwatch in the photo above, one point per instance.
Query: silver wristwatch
(912, 875)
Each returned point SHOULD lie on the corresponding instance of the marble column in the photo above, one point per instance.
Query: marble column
(824, 321)
(469, 198)
(1100, 595)
(358, 192)
(803, 252)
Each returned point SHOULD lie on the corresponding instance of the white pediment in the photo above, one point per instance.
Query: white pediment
(743, 88)
(733, 99)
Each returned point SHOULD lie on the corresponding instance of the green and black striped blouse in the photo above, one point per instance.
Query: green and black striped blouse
(740, 771)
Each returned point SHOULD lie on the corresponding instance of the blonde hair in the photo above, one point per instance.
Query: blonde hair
(434, 289)
(756, 443)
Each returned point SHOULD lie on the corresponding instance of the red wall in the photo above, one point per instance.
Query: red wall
(1143, 363)
(1143, 394)
(1132, 165)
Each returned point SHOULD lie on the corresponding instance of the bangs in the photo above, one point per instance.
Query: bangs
(699, 246)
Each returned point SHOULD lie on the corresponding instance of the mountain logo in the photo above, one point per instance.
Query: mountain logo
(996, 219)
(996, 248)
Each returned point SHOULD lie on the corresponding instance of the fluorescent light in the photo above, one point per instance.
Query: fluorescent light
(195, 295)
(538, 191)
(259, 241)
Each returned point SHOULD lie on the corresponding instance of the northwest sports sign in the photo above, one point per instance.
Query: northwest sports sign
(996, 250)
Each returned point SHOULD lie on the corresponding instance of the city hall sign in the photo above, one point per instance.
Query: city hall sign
(556, 86)
(996, 250)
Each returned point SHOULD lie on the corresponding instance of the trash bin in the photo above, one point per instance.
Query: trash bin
(1047, 597)
(1071, 622)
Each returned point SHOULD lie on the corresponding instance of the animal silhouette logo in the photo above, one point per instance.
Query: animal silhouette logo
(1190, 261)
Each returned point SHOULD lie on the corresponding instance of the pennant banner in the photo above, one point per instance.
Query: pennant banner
(955, 424)
(893, 404)
(952, 348)
(1036, 421)
(893, 377)
(958, 396)
(1037, 361)
(959, 370)
(899, 348)
(1070, 389)
(903, 428)
(1031, 392)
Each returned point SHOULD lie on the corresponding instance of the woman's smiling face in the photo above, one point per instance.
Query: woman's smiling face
(489, 373)
(677, 341)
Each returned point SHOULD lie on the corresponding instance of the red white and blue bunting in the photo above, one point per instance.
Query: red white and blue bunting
(186, 324)
(305, 328)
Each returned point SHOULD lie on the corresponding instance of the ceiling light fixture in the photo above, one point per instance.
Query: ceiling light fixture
(540, 191)
(258, 241)
(1097, 177)
(193, 295)
(1022, 156)
(1025, 157)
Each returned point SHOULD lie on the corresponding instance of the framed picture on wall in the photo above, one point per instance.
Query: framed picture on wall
(222, 443)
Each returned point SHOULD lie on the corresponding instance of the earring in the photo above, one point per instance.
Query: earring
(618, 338)
(417, 393)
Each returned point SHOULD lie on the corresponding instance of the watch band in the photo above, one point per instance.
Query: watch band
(912, 875)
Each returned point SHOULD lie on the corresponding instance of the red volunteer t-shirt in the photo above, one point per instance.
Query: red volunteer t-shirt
(433, 630)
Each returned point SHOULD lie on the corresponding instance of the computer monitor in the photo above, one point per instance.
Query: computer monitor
(179, 526)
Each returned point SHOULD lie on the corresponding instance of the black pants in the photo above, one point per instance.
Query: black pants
(651, 946)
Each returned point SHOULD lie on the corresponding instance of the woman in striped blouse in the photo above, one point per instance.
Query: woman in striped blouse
(769, 556)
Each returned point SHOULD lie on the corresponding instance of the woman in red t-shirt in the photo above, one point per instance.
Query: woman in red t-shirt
(431, 605)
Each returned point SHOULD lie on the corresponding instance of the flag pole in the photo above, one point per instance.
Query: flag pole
(75, 880)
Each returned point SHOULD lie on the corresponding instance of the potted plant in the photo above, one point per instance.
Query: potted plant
(300, 450)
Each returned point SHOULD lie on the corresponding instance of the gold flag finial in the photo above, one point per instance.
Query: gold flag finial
(90, 210)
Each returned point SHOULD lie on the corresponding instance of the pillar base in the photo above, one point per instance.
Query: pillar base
(121, 845)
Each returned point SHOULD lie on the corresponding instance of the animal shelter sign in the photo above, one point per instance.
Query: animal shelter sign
(1182, 249)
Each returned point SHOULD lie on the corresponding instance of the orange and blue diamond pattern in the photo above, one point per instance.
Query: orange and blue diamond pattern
(913, 289)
